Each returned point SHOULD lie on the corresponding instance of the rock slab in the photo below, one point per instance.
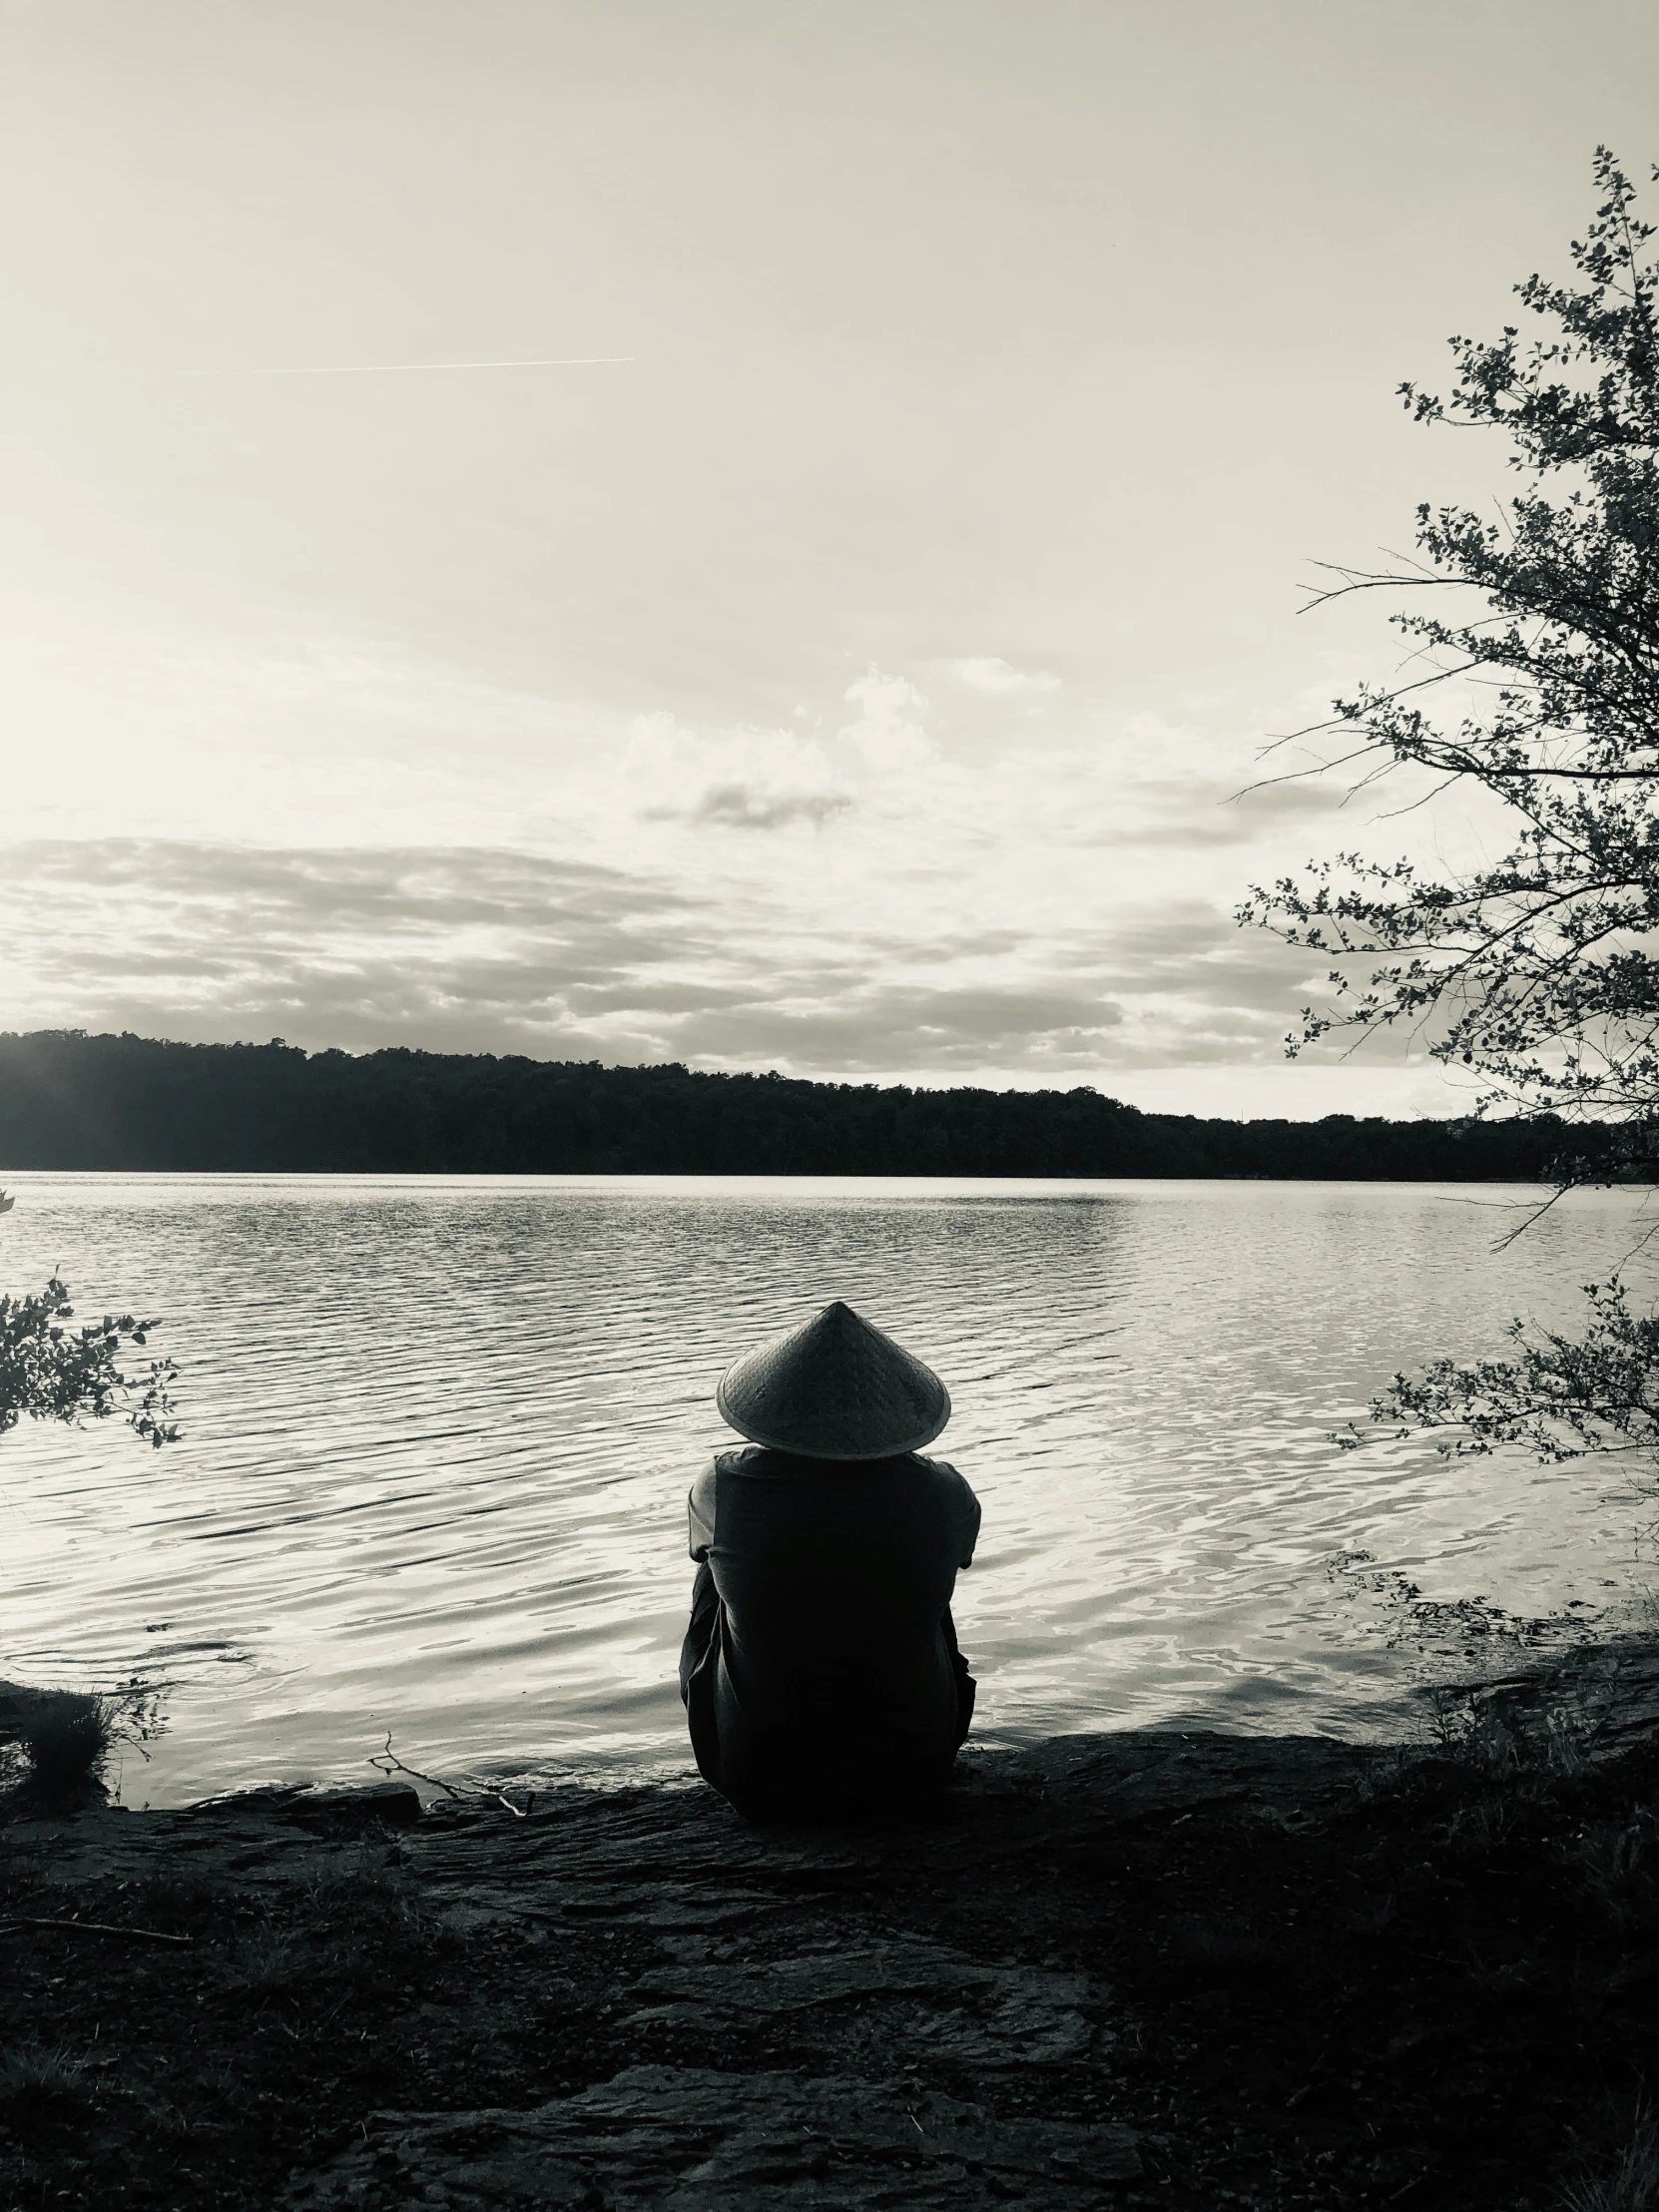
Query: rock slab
(880, 2003)
(682, 2139)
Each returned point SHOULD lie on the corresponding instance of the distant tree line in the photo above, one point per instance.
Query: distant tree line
(69, 1100)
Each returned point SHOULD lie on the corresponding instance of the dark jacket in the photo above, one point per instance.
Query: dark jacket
(823, 1659)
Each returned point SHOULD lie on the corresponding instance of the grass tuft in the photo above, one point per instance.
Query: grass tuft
(1630, 2183)
(41, 2085)
(267, 1962)
(1619, 1867)
(358, 1892)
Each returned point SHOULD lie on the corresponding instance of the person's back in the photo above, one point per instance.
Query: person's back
(822, 1665)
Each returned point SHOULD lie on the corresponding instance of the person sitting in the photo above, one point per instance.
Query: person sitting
(820, 1671)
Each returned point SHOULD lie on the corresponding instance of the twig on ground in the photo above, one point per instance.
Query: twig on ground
(387, 1761)
(94, 1927)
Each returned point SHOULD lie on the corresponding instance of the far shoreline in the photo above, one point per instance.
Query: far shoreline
(72, 1102)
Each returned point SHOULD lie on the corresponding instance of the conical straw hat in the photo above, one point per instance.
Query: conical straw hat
(836, 1387)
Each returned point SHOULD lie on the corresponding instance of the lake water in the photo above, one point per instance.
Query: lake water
(438, 1435)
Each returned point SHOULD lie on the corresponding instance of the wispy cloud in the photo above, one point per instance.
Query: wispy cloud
(757, 807)
(888, 888)
(1001, 680)
(496, 950)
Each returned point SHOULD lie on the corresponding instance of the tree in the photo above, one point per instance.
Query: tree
(1537, 972)
(1539, 968)
(51, 1371)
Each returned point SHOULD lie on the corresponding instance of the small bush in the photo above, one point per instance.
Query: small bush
(57, 1741)
(66, 1736)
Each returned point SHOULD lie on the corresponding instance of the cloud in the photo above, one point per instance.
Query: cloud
(1001, 680)
(888, 731)
(1201, 813)
(732, 779)
(339, 946)
(757, 807)
(875, 1027)
(488, 950)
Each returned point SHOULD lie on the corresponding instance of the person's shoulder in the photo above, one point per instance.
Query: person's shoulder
(723, 1462)
(946, 1479)
(742, 1459)
(938, 1470)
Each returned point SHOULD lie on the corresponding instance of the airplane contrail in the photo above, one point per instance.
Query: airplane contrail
(404, 368)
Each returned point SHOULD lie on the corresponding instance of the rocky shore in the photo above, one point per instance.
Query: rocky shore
(1147, 1968)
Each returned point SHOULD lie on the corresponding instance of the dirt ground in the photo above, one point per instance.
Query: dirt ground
(1137, 1969)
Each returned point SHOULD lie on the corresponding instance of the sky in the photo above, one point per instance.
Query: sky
(851, 659)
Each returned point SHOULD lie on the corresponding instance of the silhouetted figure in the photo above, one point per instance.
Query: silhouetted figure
(820, 1671)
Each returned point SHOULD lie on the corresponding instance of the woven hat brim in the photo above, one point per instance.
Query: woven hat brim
(803, 1445)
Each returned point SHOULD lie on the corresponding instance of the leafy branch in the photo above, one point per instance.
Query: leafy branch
(1562, 1397)
(51, 1370)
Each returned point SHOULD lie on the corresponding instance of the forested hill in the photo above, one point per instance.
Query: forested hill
(67, 1100)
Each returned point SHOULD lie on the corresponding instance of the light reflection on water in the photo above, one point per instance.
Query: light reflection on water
(439, 1434)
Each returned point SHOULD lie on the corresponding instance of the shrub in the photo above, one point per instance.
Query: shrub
(66, 1736)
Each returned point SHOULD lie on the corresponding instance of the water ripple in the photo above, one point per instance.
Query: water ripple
(439, 1434)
